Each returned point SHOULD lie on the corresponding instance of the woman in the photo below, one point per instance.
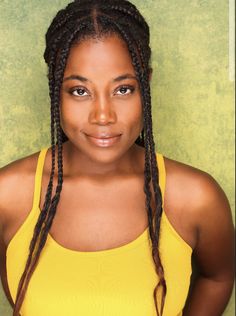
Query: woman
(90, 236)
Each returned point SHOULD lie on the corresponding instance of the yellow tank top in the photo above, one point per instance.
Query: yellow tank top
(112, 282)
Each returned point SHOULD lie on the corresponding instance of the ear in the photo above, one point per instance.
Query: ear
(150, 73)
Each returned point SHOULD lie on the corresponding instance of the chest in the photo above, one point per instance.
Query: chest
(93, 216)
(114, 282)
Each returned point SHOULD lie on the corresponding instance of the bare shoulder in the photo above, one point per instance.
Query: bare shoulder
(195, 200)
(196, 183)
(16, 187)
(197, 187)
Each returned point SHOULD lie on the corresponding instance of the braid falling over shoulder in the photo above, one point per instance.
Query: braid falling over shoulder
(83, 19)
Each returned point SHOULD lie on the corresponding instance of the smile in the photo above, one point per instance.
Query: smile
(104, 141)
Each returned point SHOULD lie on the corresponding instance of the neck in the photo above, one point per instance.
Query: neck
(77, 163)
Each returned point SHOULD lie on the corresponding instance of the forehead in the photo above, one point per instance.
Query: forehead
(102, 56)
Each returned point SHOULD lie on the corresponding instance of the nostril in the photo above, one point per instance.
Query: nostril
(102, 116)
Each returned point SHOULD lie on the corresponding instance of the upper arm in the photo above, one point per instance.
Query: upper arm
(16, 187)
(200, 211)
(214, 250)
(4, 202)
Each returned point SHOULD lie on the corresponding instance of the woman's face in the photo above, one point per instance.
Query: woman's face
(101, 111)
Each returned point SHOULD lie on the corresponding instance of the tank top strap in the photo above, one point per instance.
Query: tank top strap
(38, 177)
(162, 174)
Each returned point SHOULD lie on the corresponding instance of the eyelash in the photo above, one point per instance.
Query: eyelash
(131, 88)
(71, 91)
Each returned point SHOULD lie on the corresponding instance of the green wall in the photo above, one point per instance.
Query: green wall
(193, 95)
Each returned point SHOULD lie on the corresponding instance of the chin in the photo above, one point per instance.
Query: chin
(107, 156)
(103, 151)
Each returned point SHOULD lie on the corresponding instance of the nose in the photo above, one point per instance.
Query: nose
(102, 112)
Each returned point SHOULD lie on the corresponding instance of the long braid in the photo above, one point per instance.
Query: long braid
(43, 213)
(158, 200)
(155, 180)
(78, 21)
(49, 209)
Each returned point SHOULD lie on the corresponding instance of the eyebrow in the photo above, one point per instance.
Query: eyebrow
(123, 77)
(76, 77)
(83, 79)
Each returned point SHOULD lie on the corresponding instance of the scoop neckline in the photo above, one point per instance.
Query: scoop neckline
(140, 239)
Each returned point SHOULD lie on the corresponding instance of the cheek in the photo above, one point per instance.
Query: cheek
(134, 116)
(71, 115)
(70, 112)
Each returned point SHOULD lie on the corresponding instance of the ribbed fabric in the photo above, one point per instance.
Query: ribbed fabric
(113, 282)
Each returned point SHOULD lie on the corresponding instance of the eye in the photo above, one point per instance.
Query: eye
(125, 90)
(79, 92)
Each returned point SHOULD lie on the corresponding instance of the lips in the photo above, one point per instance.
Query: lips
(103, 139)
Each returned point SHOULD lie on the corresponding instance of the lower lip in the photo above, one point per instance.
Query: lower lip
(104, 142)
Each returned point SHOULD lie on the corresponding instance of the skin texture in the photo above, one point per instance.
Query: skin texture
(102, 108)
(194, 203)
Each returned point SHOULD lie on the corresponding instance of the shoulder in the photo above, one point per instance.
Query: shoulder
(196, 185)
(16, 171)
(197, 198)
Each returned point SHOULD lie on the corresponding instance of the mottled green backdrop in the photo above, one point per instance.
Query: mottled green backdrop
(193, 109)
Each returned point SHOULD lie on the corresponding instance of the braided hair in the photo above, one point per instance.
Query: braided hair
(80, 20)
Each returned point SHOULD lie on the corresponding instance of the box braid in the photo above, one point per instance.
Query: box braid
(84, 19)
